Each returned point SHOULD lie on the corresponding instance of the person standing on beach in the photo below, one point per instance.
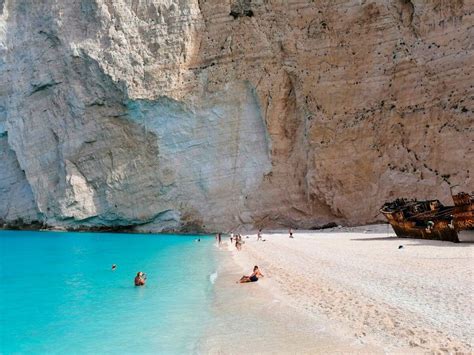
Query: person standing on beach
(259, 235)
(291, 233)
(231, 237)
(219, 238)
(238, 242)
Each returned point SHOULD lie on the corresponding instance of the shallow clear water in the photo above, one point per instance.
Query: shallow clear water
(58, 293)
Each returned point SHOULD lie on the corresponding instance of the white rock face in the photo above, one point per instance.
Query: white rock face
(16, 200)
(215, 115)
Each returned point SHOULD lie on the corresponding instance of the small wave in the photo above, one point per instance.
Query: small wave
(213, 277)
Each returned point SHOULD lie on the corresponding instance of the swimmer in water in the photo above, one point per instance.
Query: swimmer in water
(140, 279)
(114, 266)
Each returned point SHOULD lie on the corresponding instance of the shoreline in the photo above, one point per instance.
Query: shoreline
(253, 318)
(347, 289)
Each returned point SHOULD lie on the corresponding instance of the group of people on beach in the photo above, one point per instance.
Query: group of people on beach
(140, 278)
(237, 238)
(256, 274)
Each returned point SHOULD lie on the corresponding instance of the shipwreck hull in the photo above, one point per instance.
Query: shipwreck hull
(437, 233)
(430, 219)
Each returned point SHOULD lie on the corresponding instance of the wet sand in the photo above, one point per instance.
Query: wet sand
(344, 290)
(251, 319)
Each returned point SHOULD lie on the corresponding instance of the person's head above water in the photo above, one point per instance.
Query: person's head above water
(140, 279)
(114, 266)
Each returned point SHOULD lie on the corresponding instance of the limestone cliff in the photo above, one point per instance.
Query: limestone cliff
(221, 114)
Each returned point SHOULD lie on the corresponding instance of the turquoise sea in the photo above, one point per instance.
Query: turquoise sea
(58, 293)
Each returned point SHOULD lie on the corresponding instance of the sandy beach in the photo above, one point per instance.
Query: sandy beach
(344, 290)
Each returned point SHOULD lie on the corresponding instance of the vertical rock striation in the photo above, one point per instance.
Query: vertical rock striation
(214, 115)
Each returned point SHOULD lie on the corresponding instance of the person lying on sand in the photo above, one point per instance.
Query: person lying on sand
(253, 277)
(140, 279)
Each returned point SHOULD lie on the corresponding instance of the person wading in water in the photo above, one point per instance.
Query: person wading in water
(140, 279)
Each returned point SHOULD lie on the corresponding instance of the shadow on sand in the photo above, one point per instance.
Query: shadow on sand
(378, 238)
(420, 242)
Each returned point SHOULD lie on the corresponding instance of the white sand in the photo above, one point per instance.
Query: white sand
(349, 289)
(250, 319)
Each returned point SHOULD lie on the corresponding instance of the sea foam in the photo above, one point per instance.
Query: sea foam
(213, 277)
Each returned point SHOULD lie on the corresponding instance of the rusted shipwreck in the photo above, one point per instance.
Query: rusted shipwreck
(430, 219)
